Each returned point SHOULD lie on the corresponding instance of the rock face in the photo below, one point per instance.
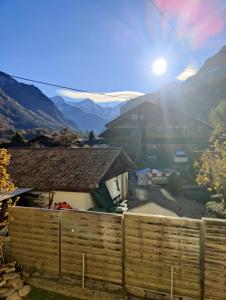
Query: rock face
(11, 284)
(24, 106)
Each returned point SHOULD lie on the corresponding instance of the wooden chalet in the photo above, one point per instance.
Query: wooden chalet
(149, 129)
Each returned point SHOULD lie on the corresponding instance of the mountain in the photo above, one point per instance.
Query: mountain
(197, 95)
(25, 106)
(109, 103)
(103, 111)
(83, 117)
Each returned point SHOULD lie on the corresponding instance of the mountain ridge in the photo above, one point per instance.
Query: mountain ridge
(25, 101)
(197, 95)
(87, 121)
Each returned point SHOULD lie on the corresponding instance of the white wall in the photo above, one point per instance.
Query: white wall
(84, 201)
(122, 184)
(81, 201)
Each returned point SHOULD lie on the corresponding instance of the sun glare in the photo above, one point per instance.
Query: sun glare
(159, 66)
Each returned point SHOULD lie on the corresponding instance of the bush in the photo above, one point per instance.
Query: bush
(198, 194)
(174, 184)
(216, 209)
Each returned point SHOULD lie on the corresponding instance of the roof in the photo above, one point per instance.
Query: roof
(68, 169)
(16, 192)
(134, 109)
(145, 107)
(40, 137)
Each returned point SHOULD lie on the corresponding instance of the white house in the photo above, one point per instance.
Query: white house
(83, 178)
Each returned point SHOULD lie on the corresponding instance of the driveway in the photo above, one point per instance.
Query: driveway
(158, 201)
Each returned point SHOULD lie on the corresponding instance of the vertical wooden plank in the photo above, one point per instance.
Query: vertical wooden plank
(83, 270)
(171, 289)
(202, 258)
(123, 249)
(60, 246)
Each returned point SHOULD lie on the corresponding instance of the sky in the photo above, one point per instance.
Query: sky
(108, 46)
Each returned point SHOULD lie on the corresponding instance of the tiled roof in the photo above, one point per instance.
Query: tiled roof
(71, 169)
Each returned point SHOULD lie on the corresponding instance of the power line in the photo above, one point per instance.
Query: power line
(66, 88)
(174, 30)
(106, 94)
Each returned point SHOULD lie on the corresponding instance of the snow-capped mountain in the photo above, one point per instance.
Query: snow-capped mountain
(85, 118)
(103, 111)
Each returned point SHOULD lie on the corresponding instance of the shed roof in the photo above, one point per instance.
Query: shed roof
(69, 169)
(16, 192)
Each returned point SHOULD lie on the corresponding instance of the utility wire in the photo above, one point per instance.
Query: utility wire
(106, 94)
(67, 88)
(173, 29)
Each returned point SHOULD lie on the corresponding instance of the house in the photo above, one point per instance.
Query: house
(150, 129)
(42, 140)
(80, 178)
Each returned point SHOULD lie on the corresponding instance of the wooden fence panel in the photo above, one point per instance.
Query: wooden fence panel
(153, 244)
(35, 238)
(215, 259)
(98, 236)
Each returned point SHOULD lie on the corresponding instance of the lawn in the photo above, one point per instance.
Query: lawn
(37, 294)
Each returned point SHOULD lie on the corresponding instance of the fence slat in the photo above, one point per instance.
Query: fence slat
(133, 251)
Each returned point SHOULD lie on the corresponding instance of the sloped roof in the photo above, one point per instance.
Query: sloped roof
(145, 107)
(147, 104)
(69, 169)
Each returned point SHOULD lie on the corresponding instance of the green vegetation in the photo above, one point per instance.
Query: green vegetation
(38, 294)
(212, 164)
(218, 119)
(17, 138)
(91, 137)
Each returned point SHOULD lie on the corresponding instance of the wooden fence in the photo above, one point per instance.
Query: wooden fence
(153, 245)
(215, 259)
(132, 251)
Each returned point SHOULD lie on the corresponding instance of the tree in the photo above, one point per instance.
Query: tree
(218, 119)
(91, 137)
(65, 137)
(17, 138)
(212, 164)
(6, 184)
(212, 168)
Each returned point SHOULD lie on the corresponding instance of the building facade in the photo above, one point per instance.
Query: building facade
(149, 129)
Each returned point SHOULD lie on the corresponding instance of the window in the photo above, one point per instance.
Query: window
(134, 116)
(141, 116)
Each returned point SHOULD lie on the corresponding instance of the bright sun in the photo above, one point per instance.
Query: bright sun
(159, 66)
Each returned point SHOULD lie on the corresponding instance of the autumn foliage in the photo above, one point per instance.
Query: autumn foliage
(6, 184)
(212, 168)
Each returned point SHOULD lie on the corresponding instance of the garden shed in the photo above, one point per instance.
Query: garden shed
(83, 178)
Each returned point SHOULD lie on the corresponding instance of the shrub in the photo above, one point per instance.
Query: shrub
(215, 209)
(174, 184)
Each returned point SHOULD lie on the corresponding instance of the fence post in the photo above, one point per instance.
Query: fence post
(59, 246)
(202, 257)
(123, 249)
(172, 283)
(83, 270)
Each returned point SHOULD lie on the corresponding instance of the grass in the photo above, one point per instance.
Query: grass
(38, 294)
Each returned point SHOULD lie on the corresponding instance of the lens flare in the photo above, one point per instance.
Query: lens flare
(159, 66)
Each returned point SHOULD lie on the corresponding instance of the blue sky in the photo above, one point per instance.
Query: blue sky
(97, 45)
